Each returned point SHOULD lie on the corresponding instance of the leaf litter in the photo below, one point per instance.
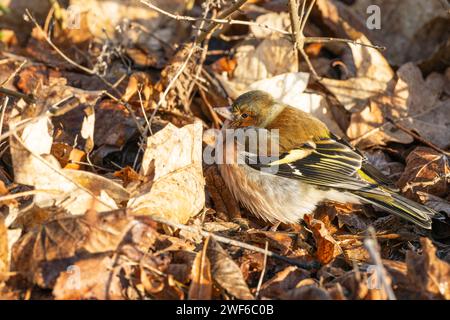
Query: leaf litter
(104, 191)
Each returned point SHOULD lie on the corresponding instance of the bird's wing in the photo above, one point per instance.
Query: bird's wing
(324, 162)
(368, 170)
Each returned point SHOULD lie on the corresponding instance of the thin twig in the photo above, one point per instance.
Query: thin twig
(28, 98)
(28, 193)
(263, 271)
(331, 39)
(372, 247)
(2, 117)
(417, 137)
(223, 15)
(12, 75)
(297, 25)
(214, 20)
(62, 54)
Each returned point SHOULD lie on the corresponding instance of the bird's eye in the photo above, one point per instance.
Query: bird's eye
(244, 115)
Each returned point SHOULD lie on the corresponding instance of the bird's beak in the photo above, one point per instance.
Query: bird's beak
(225, 112)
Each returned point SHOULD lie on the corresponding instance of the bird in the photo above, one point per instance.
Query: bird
(310, 166)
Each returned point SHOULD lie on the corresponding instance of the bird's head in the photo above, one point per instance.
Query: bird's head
(254, 109)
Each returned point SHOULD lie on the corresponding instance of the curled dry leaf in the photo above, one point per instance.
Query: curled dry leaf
(426, 171)
(201, 280)
(372, 78)
(427, 274)
(327, 247)
(174, 159)
(283, 281)
(408, 41)
(226, 273)
(279, 241)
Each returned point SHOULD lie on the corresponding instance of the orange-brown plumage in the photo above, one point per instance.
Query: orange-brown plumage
(313, 166)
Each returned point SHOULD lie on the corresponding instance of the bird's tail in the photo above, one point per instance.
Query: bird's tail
(400, 206)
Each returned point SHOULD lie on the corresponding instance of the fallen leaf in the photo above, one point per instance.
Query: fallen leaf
(280, 21)
(283, 281)
(92, 278)
(226, 273)
(256, 62)
(76, 191)
(426, 171)
(424, 112)
(371, 81)
(433, 202)
(427, 274)
(201, 283)
(308, 292)
(174, 159)
(278, 241)
(114, 127)
(327, 247)
(416, 27)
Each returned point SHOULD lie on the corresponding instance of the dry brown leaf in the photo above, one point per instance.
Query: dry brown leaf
(426, 171)
(114, 127)
(92, 278)
(307, 292)
(226, 273)
(128, 175)
(427, 274)
(139, 89)
(224, 64)
(327, 247)
(372, 78)
(353, 250)
(279, 241)
(201, 280)
(416, 27)
(434, 202)
(68, 157)
(276, 20)
(174, 159)
(283, 281)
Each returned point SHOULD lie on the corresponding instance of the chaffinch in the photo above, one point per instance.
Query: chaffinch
(312, 165)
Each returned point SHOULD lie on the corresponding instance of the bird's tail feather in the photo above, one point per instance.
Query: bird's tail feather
(400, 206)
